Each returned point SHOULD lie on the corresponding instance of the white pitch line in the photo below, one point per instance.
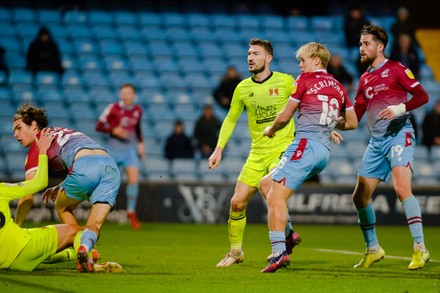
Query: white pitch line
(358, 253)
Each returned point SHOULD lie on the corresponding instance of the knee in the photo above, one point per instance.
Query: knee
(264, 186)
(237, 205)
(361, 193)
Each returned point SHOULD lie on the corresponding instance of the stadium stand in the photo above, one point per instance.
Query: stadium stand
(175, 55)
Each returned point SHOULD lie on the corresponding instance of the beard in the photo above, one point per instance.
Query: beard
(258, 70)
(367, 60)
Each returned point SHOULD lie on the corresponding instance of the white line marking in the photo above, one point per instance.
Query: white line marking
(359, 253)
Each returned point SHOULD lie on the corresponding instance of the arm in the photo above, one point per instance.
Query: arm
(282, 118)
(349, 120)
(140, 145)
(35, 181)
(226, 129)
(420, 97)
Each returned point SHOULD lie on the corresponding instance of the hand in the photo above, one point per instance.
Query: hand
(52, 193)
(44, 142)
(268, 132)
(215, 158)
(392, 111)
(336, 137)
(120, 132)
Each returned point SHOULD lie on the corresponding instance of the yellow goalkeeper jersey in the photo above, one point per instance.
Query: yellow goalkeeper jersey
(263, 101)
(13, 238)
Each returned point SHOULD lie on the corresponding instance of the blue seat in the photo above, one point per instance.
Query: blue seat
(138, 64)
(248, 21)
(91, 63)
(47, 78)
(228, 36)
(272, 23)
(5, 15)
(154, 34)
(199, 20)
(59, 32)
(178, 34)
(158, 49)
(7, 29)
(72, 79)
(223, 20)
(83, 111)
(173, 19)
(322, 23)
(27, 30)
(96, 17)
(104, 32)
(202, 35)
(75, 17)
(20, 77)
(96, 80)
(21, 15)
(118, 78)
(86, 125)
(191, 66)
(116, 63)
(49, 17)
(297, 23)
(130, 33)
(111, 48)
(79, 31)
(210, 50)
(136, 48)
(181, 166)
(125, 18)
(149, 19)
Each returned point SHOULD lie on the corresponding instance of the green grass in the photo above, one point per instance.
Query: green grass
(182, 258)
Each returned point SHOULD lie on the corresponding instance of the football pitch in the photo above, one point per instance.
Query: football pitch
(182, 257)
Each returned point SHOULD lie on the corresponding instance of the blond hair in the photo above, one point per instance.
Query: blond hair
(313, 50)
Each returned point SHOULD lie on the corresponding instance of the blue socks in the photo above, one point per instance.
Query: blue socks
(278, 240)
(88, 239)
(132, 191)
(414, 218)
(367, 223)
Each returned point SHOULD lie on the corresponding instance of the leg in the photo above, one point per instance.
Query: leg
(237, 223)
(402, 185)
(292, 237)
(367, 220)
(277, 205)
(132, 192)
(65, 206)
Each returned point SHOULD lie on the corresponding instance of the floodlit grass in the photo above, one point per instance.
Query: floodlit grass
(182, 258)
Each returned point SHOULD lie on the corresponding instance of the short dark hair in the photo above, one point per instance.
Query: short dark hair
(378, 33)
(267, 45)
(27, 113)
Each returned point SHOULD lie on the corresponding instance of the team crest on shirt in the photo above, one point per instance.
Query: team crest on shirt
(384, 74)
(273, 92)
(409, 73)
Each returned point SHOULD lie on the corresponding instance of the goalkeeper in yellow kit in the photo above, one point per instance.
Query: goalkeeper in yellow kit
(264, 94)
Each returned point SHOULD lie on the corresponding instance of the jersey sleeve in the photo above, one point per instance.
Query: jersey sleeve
(298, 88)
(139, 127)
(360, 104)
(227, 128)
(22, 189)
(32, 158)
(104, 121)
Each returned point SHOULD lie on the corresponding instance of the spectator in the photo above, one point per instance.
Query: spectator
(43, 54)
(178, 144)
(224, 92)
(340, 73)
(3, 64)
(431, 127)
(206, 132)
(354, 21)
(404, 50)
(404, 25)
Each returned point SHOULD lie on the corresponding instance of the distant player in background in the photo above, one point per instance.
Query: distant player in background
(264, 95)
(321, 100)
(122, 121)
(93, 175)
(382, 95)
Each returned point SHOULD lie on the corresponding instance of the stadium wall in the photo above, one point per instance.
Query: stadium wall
(209, 203)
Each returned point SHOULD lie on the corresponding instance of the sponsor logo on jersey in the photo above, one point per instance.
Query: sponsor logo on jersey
(273, 92)
(384, 74)
(409, 73)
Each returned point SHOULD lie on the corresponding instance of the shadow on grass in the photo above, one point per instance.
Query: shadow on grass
(31, 286)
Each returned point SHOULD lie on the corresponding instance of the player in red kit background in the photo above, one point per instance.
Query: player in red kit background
(122, 121)
(382, 95)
